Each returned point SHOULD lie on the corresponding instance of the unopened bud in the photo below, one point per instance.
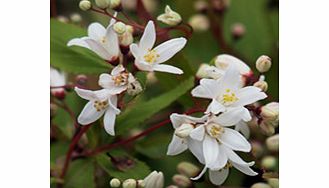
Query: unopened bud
(103, 4)
(151, 78)
(202, 71)
(263, 63)
(130, 29)
(62, 19)
(119, 28)
(84, 5)
(129, 183)
(184, 130)
(261, 85)
(172, 186)
(267, 127)
(269, 162)
(181, 180)
(126, 39)
(116, 5)
(273, 182)
(199, 22)
(220, 5)
(115, 182)
(134, 88)
(81, 79)
(140, 183)
(257, 149)
(260, 185)
(238, 30)
(170, 17)
(188, 169)
(75, 17)
(270, 111)
(201, 6)
(272, 143)
(154, 180)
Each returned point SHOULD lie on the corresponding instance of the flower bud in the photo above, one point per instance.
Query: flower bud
(75, 18)
(272, 143)
(263, 63)
(202, 71)
(188, 169)
(62, 19)
(134, 88)
(261, 85)
(140, 183)
(126, 39)
(151, 78)
(199, 22)
(154, 180)
(260, 185)
(115, 5)
(81, 79)
(273, 182)
(270, 111)
(172, 186)
(201, 6)
(103, 4)
(129, 183)
(115, 182)
(267, 127)
(84, 5)
(184, 130)
(257, 149)
(170, 17)
(181, 180)
(119, 28)
(268, 162)
(238, 30)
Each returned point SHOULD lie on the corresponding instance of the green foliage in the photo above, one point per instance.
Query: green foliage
(119, 169)
(72, 59)
(80, 174)
(143, 110)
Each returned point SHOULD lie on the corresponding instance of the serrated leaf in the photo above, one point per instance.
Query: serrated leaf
(80, 174)
(72, 59)
(138, 170)
(143, 110)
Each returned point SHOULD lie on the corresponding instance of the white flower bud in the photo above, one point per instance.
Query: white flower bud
(263, 63)
(257, 149)
(170, 17)
(272, 143)
(202, 71)
(172, 186)
(75, 17)
(115, 4)
(140, 183)
(273, 182)
(62, 19)
(201, 5)
(154, 180)
(134, 88)
(129, 183)
(238, 30)
(115, 182)
(270, 111)
(261, 85)
(199, 22)
(130, 29)
(84, 5)
(103, 4)
(260, 185)
(126, 39)
(119, 28)
(184, 130)
(181, 180)
(188, 169)
(268, 162)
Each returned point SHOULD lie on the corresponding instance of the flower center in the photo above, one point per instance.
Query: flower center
(101, 105)
(151, 56)
(215, 130)
(228, 97)
(121, 79)
(103, 40)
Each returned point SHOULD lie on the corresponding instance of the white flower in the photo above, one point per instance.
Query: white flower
(226, 93)
(57, 79)
(103, 41)
(148, 58)
(243, 127)
(154, 180)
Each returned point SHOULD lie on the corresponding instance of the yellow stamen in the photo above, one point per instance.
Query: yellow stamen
(121, 79)
(100, 105)
(151, 56)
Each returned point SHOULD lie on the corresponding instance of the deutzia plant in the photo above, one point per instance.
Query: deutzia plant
(134, 74)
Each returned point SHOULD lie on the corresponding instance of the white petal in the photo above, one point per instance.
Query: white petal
(221, 159)
(109, 121)
(196, 149)
(85, 94)
(167, 68)
(169, 48)
(179, 119)
(211, 86)
(141, 65)
(176, 146)
(113, 102)
(106, 81)
(243, 128)
(89, 114)
(231, 79)
(230, 117)
(249, 95)
(200, 91)
(210, 150)
(235, 140)
(98, 49)
(201, 174)
(112, 42)
(233, 157)
(215, 107)
(198, 133)
(96, 31)
(245, 169)
(148, 39)
(112, 21)
(117, 70)
(228, 60)
(78, 42)
(218, 177)
(135, 51)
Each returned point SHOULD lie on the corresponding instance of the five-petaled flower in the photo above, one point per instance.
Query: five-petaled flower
(148, 58)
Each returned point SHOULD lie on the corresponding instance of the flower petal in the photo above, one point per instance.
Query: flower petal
(179, 119)
(249, 95)
(198, 133)
(169, 48)
(233, 157)
(89, 114)
(112, 42)
(243, 128)
(215, 107)
(109, 121)
(78, 42)
(225, 59)
(201, 174)
(208, 88)
(221, 159)
(176, 146)
(117, 70)
(85, 94)
(234, 140)
(113, 102)
(96, 31)
(105, 80)
(112, 21)
(231, 79)
(98, 49)
(196, 149)
(218, 177)
(230, 117)
(245, 169)
(167, 68)
(148, 39)
(135, 50)
(141, 65)
(210, 150)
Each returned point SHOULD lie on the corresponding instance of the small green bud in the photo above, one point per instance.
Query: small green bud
(261, 85)
(115, 4)
(188, 169)
(119, 28)
(260, 185)
(140, 183)
(115, 182)
(272, 143)
(273, 182)
(75, 18)
(263, 63)
(84, 5)
(199, 22)
(103, 4)
(129, 183)
(269, 162)
(181, 180)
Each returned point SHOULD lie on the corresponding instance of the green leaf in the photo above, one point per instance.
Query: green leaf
(80, 174)
(143, 110)
(137, 169)
(72, 59)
